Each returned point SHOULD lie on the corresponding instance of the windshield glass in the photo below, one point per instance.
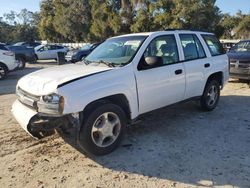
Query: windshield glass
(118, 50)
(243, 46)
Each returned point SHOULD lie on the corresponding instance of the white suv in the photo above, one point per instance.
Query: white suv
(7, 61)
(124, 77)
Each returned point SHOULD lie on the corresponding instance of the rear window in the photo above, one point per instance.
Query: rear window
(213, 44)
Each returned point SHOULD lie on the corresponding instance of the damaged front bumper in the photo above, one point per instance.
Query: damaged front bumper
(36, 123)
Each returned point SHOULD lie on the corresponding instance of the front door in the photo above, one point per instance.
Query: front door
(163, 84)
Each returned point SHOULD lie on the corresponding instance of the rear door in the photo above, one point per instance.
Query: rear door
(44, 52)
(196, 64)
(164, 84)
(55, 49)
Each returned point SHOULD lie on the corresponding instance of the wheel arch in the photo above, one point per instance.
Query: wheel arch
(4, 66)
(21, 56)
(118, 99)
(216, 76)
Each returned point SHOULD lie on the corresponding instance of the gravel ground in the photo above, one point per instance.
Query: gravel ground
(178, 146)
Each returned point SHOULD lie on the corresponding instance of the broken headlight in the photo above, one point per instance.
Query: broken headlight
(51, 104)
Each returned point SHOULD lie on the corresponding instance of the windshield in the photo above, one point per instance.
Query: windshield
(118, 50)
(243, 46)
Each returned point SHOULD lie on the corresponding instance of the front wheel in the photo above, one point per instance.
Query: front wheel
(211, 95)
(102, 129)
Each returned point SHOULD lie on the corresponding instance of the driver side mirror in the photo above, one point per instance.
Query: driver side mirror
(153, 61)
(150, 62)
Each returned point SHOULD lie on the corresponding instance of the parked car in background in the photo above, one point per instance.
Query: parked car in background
(8, 61)
(23, 54)
(27, 44)
(239, 57)
(49, 51)
(123, 78)
(77, 55)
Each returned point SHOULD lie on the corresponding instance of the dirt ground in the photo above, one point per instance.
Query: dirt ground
(178, 146)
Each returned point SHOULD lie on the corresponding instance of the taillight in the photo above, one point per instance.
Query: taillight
(8, 53)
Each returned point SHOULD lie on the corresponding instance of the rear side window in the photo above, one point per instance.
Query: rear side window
(192, 47)
(213, 44)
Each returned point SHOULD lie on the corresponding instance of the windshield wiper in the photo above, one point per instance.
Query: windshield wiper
(110, 64)
(86, 62)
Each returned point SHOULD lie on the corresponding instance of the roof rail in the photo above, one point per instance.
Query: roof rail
(198, 30)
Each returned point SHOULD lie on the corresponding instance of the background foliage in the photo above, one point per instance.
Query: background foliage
(96, 20)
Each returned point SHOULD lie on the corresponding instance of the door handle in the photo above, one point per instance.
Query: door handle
(207, 65)
(179, 71)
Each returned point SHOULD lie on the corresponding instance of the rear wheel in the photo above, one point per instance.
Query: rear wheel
(21, 62)
(211, 95)
(3, 71)
(102, 130)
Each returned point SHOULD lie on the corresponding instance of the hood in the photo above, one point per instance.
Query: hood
(46, 81)
(239, 55)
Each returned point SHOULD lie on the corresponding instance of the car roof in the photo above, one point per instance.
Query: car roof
(170, 31)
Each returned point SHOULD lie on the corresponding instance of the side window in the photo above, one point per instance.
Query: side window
(41, 49)
(164, 47)
(53, 48)
(192, 47)
(59, 47)
(213, 44)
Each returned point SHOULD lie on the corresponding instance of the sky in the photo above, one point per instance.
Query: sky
(226, 6)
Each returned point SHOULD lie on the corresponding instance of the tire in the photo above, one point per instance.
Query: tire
(103, 129)
(3, 71)
(22, 63)
(35, 59)
(211, 95)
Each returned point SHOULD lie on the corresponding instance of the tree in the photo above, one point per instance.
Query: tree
(46, 27)
(10, 17)
(72, 19)
(5, 32)
(18, 27)
(193, 14)
(228, 23)
(243, 29)
(106, 21)
(143, 20)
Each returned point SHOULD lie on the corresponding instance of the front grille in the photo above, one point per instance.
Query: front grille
(27, 98)
(240, 64)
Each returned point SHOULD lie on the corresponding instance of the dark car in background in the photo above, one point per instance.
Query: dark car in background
(23, 54)
(239, 57)
(77, 55)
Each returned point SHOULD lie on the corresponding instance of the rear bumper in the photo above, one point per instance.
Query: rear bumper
(33, 122)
